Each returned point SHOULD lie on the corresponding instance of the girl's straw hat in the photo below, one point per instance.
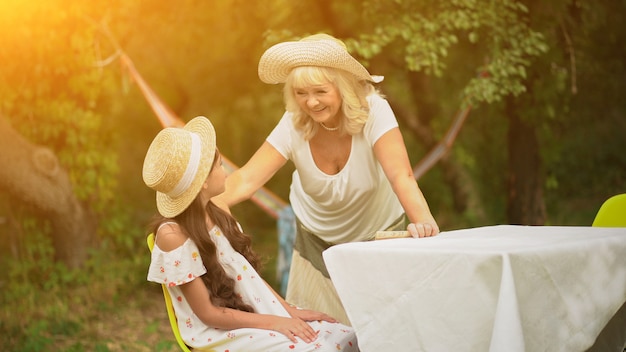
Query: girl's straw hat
(316, 50)
(178, 162)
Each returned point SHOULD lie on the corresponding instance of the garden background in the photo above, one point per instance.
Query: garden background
(542, 144)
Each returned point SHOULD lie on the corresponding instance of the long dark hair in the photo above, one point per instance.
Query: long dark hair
(192, 221)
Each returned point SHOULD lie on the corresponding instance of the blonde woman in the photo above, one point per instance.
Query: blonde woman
(353, 176)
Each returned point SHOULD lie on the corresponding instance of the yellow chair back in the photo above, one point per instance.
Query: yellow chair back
(612, 213)
(168, 305)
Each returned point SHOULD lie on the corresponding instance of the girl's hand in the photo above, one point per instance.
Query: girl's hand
(311, 315)
(424, 229)
(292, 327)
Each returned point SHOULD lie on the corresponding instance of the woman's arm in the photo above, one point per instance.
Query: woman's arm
(243, 182)
(391, 153)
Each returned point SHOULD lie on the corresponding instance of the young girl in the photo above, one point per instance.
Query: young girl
(204, 258)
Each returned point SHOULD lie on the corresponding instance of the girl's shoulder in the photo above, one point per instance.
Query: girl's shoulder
(170, 236)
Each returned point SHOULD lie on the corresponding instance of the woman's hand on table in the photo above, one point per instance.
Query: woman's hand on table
(423, 229)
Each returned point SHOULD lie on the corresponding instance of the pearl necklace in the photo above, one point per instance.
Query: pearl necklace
(331, 129)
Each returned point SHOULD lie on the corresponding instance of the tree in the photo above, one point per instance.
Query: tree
(589, 165)
(61, 166)
(37, 180)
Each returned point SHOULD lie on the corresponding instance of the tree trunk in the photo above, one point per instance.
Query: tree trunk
(525, 203)
(32, 175)
(455, 176)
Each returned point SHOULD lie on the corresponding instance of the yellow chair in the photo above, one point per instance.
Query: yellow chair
(168, 305)
(612, 213)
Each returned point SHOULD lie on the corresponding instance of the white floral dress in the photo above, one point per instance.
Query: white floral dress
(183, 265)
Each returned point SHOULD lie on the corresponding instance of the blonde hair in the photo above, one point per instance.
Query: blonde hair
(353, 92)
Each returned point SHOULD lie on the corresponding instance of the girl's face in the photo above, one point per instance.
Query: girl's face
(321, 102)
(215, 183)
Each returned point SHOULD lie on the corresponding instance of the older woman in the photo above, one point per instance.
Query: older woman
(353, 176)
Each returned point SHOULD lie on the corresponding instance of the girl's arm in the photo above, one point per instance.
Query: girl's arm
(304, 314)
(170, 237)
(393, 157)
(198, 298)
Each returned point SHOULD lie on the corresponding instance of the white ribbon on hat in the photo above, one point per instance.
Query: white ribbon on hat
(192, 168)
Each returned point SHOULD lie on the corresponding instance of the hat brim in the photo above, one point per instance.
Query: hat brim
(278, 61)
(170, 206)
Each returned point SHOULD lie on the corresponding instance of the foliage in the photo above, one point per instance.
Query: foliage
(50, 90)
(429, 30)
(585, 155)
(201, 58)
(44, 303)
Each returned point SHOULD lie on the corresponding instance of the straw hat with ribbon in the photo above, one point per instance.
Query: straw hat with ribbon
(317, 50)
(178, 162)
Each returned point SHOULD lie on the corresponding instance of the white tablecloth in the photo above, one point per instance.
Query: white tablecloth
(497, 288)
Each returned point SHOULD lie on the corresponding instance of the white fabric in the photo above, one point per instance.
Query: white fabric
(346, 206)
(184, 264)
(192, 168)
(496, 288)
(302, 277)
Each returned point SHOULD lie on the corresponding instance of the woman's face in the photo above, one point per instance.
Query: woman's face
(321, 102)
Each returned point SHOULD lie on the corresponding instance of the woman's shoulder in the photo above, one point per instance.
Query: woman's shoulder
(376, 98)
(381, 118)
